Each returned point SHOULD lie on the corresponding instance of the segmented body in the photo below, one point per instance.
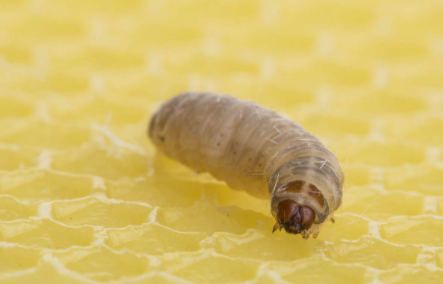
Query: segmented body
(252, 149)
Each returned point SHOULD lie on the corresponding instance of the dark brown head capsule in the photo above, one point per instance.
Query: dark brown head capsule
(293, 217)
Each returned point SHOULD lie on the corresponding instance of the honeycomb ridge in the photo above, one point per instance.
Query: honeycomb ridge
(85, 198)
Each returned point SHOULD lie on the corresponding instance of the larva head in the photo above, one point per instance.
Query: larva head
(293, 217)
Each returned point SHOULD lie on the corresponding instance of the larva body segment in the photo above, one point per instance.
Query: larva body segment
(256, 150)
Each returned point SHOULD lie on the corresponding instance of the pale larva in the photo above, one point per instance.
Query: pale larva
(256, 150)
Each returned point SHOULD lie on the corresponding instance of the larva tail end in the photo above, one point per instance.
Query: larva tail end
(315, 233)
(151, 125)
(295, 218)
(153, 132)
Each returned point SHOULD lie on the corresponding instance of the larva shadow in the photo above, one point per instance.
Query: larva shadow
(187, 186)
(207, 217)
(164, 191)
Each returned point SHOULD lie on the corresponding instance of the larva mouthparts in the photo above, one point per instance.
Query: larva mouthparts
(256, 150)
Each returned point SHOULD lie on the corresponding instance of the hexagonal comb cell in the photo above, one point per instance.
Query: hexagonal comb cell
(153, 239)
(120, 162)
(102, 264)
(419, 230)
(11, 209)
(15, 258)
(44, 234)
(45, 185)
(93, 212)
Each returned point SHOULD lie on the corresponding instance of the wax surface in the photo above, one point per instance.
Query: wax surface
(85, 198)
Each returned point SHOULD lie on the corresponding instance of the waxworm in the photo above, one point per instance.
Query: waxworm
(256, 150)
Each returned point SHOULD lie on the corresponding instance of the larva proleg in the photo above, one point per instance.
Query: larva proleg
(256, 150)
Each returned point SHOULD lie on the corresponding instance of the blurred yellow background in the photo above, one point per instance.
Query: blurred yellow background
(84, 198)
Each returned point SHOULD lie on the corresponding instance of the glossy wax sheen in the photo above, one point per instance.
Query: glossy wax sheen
(85, 197)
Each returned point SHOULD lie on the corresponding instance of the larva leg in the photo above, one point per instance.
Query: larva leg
(276, 226)
(315, 233)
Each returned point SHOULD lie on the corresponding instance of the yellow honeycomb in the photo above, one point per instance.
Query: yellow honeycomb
(85, 198)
